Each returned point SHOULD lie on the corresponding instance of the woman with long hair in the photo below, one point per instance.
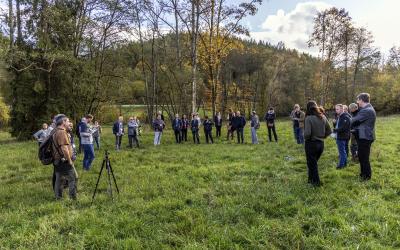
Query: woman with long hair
(316, 129)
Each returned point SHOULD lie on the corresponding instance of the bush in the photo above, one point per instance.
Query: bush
(4, 114)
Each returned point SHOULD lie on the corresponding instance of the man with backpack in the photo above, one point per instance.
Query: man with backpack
(62, 158)
(254, 124)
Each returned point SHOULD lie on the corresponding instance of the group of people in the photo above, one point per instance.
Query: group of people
(236, 123)
(353, 126)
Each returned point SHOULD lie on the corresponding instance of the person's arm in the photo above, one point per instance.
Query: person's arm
(361, 117)
(38, 134)
(302, 117)
(307, 129)
(328, 129)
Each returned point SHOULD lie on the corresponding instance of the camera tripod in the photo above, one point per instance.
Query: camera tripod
(110, 172)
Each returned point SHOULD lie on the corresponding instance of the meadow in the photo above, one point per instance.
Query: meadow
(220, 196)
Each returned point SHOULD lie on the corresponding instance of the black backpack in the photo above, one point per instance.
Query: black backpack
(46, 155)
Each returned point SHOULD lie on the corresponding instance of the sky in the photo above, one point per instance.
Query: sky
(291, 21)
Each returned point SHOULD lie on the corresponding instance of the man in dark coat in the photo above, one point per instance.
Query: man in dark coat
(177, 127)
(342, 130)
(238, 123)
(364, 126)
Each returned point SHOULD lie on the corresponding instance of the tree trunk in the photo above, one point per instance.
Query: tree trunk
(11, 22)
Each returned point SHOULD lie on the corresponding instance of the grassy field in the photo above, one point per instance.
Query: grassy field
(221, 196)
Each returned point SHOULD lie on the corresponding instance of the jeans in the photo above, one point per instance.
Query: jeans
(97, 141)
(364, 151)
(196, 136)
(299, 135)
(254, 138)
(208, 136)
(88, 151)
(118, 141)
(314, 150)
(341, 145)
(270, 131)
(59, 184)
(157, 138)
(184, 134)
(240, 135)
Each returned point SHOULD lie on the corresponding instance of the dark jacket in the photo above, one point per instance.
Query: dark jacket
(185, 123)
(364, 123)
(238, 122)
(158, 125)
(270, 117)
(116, 128)
(194, 124)
(343, 127)
(208, 124)
(316, 129)
(177, 124)
(218, 122)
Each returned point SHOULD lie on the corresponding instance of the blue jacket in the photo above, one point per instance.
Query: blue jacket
(177, 124)
(117, 128)
(342, 129)
(364, 123)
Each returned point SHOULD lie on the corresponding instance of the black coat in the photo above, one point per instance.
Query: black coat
(343, 129)
(238, 122)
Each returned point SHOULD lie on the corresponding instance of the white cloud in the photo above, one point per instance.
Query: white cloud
(292, 28)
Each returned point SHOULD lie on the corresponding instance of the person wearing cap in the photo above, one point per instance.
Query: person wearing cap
(270, 117)
(254, 124)
(63, 158)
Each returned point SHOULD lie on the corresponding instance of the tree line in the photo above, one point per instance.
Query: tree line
(180, 56)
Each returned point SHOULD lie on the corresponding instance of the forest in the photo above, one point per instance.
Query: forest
(179, 56)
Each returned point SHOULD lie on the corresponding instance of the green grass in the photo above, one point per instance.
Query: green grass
(221, 196)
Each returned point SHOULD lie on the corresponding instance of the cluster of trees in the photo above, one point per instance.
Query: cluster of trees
(78, 56)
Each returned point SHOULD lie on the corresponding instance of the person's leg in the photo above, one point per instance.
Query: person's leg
(53, 181)
(120, 142)
(301, 135)
(342, 153)
(159, 138)
(242, 134)
(295, 134)
(269, 134)
(252, 135)
(85, 156)
(364, 148)
(136, 139)
(155, 138)
(58, 189)
(211, 138)
(312, 155)
(185, 134)
(275, 135)
(116, 142)
(194, 136)
(80, 145)
(91, 156)
(130, 138)
(72, 184)
(198, 137)
(176, 136)
(96, 141)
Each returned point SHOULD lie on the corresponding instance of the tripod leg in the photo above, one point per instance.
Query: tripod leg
(115, 181)
(109, 177)
(98, 179)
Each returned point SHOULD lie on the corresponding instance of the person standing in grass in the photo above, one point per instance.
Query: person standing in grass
(297, 117)
(97, 133)
(255, 125)
(63, 163)
(353, 108)
(208, 124)
(42, 134)
(342, 131)
(158, 126)
(346, 112)
(86, 133)
(218, 124)
(118, 131)
(270, 117)
(195, 126)
(239, 122)
(364, 126)
(185, 126)
(133, 132)
(316, 129)
(177, 127)
(230, 128)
